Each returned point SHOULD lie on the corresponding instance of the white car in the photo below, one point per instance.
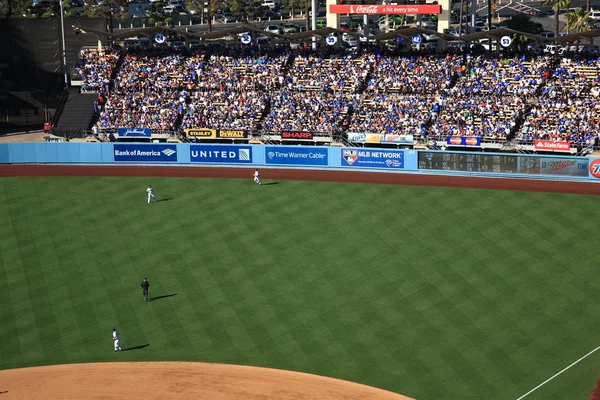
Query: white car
(351, 41)
(595, 14)
(268, 3)
(289, 28)
(272, 29)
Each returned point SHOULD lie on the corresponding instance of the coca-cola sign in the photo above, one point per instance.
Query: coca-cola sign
(384, 9)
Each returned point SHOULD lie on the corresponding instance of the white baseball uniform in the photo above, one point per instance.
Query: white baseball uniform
(151, 194)
(116, 339)
(256, 177)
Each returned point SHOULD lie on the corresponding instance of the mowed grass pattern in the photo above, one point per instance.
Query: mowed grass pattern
(430, 292)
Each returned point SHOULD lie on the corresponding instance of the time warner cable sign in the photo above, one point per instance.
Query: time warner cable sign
(143, 153)
(372, 158)
(228, 154)
(293, 155)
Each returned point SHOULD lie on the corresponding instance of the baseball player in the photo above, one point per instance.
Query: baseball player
(256, 177)
(150, 194)
(145, 285)
(116, 339)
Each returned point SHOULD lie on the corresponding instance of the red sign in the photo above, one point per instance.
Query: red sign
(455, 140)
(551, 145)
(385, 9)
(296, 135)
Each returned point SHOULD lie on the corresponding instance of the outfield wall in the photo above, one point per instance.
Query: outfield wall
(306, 157)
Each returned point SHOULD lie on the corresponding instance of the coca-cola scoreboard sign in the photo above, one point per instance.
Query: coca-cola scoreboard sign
(385, 9)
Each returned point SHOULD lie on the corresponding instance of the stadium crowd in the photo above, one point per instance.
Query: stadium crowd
(427, 96)
(95, 69)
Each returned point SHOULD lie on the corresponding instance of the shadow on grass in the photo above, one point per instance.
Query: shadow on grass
(161, 297)
(167, 199)
(136, 347)
(270, 183)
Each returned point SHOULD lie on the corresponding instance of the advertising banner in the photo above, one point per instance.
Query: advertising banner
(361, 137)
(135, 132)
(470, 141)
(229, 154)
(385, 9)
(564, 166)
(201, 133)
(551, 145)
(594, 169)
(398, 139)
(298, 135)
(372, 158)
(232, 134)
(144, 153)
(285, 155)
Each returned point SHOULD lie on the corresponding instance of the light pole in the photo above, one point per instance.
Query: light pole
(64, 46)
(315, 10)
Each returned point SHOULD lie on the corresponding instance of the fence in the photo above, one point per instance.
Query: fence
(319, 157)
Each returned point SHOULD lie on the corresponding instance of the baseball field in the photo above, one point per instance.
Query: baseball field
(435, 293)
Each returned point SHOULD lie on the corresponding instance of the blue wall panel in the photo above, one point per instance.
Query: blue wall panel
(107, 152)
(62, 153)
(52, 152)
(411, 160)
(335, 157)
(74, 153)
(258, 154)
(4, 153)
(183, 153)
(16, 154)
(90, 153)
(39, 151)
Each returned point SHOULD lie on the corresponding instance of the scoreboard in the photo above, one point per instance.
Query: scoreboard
(478, 162)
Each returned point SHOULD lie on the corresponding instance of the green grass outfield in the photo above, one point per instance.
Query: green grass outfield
(433, 293)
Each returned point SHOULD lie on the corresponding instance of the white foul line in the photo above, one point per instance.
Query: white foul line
(557, 374)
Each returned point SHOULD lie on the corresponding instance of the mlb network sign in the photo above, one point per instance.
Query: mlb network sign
(229, 154)
(282, 155)
(372, 158)
(143, 153)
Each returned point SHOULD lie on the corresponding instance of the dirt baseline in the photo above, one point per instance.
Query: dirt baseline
(177, 380)
(308, 175)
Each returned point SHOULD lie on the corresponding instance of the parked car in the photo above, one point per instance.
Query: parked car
(228, 18)
(290, 28)
(349, 41)
(272, 28)
(268, 3)
(595, 14)
(547, 34)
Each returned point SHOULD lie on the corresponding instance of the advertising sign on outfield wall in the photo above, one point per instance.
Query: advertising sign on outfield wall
(594, 168)
(372, 158)
(361, 137)
(144, 153)
(294, 155)
(557, 166)
(227, 154)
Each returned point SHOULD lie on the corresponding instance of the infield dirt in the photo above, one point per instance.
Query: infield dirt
(177, 380)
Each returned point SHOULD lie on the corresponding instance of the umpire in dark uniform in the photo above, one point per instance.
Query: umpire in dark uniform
(145, 285)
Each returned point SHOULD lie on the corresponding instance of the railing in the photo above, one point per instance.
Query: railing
(60, 107)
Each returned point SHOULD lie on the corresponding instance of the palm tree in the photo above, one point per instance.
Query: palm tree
(523, 23)
(557, 5)
(579, 20)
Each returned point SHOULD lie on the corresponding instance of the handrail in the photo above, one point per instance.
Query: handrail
(60, 107)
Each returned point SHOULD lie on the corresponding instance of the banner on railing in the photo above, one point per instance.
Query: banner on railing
(361, 137)
(201, 133)
(284, 155)
(232, 134)
(469, 141)
(398, 139)
(143, 153)
(135, 132)
(296, 135)
(372, 158)
(551, 145)
(226, 154)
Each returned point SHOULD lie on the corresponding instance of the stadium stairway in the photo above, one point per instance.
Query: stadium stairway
(77, 114)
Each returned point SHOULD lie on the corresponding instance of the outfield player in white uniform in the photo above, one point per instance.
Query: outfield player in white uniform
(256, 177)
(150, 194)
(116, 339)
